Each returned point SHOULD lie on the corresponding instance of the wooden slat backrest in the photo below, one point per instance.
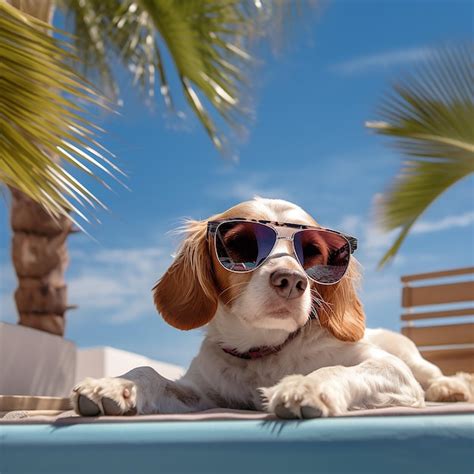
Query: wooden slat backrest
(438, 314)
(451, 346)
(437, 294)
(451, 361)
(440, 335)
(440, 274)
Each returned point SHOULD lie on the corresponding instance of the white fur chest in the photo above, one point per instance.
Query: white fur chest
(222, 376)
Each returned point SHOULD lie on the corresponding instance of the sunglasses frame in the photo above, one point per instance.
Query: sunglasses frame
(212, 227)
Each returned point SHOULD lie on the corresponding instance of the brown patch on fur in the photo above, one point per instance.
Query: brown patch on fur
(186, 295)
(342, 312)
(184, 395)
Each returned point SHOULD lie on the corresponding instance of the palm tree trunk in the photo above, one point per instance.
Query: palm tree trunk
(39, 251)
(40, 259)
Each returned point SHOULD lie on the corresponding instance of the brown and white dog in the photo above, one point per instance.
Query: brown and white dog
(323, 365)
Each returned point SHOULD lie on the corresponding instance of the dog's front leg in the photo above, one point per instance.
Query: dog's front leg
(140, 391)
(333, 391)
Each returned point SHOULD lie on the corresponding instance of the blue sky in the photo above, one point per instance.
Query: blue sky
(307, 143)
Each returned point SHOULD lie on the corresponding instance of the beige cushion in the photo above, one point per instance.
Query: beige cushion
(69, 417)
(25, 402)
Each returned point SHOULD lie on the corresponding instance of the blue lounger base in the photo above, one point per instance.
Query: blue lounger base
(383, 445)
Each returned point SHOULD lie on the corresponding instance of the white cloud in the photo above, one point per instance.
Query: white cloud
(7, 275)
(8, 311)
(115, 284)
(463, 220)
(384, 60)
(247, 187)
(371, 238)
(350, 224)
(374, 241)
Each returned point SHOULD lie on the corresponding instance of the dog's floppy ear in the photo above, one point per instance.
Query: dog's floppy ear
(186, 295)
(341, 311)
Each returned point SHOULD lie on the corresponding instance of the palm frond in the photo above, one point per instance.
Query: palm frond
(208, 41)
(41, 126)
(431, 116)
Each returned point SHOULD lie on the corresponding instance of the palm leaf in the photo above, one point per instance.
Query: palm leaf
(208, 41)
(40, 126)
(431, 116)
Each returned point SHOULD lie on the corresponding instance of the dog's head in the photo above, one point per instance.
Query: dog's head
(276, 295)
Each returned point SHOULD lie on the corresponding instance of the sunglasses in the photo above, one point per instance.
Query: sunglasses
(243, 245)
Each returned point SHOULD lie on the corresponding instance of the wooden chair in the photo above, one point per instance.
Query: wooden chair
(449, 346)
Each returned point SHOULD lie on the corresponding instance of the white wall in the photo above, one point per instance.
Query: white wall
(34, 362)
(111, 362)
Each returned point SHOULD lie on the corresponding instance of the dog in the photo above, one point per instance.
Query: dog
(285, 327)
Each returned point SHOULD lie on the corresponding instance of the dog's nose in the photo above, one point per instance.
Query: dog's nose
(288, 283)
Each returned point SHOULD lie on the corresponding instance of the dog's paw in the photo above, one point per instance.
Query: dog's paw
(299, 396)
(448, 389)
(107, 396)
(468, 380)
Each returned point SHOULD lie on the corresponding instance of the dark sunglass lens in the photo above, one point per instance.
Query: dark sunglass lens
(324, 255)
(242, 246)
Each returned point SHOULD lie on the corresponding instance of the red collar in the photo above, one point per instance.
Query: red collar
(258, 352)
